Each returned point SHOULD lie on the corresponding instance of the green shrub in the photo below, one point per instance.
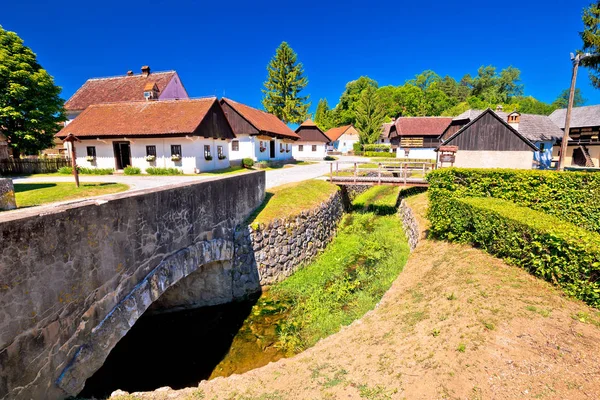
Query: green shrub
(379, 154)
(377, 147)
(132, 171)
(329, 158)
(86, 171)
(571, 196)
(357, 147)
(358, 153)
(163, 171)
(247, 162)
(546, 246)
(262, 164)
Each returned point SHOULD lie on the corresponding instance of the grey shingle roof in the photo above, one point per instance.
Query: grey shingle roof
(534, 127)
(580, 116)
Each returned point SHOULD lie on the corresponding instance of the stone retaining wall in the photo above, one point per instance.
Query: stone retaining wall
(281, 247)
(411, 227)
(7, 195)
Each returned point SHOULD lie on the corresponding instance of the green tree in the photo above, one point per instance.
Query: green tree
(562, 101)
(425, 79)
(30, 104)
(370, 115)
(496, 89)
(391, 98)
(345, 111)
(591, 40)
(284, 83)
(323, 116)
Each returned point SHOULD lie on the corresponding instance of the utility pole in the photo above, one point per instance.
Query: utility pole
(71, 139)
(565, 140)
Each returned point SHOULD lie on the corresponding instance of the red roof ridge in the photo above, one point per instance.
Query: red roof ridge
(264, 121)
(108, 103)
(132, 76)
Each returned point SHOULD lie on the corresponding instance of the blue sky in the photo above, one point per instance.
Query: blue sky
(223, 47)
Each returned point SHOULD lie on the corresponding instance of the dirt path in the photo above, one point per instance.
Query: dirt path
(456, 324)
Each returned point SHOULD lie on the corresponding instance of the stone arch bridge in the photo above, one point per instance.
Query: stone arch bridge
(75, 278)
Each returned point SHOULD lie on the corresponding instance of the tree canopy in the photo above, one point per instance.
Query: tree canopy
(30, 104)
(370, 114)
(285, 81)
(591, 40)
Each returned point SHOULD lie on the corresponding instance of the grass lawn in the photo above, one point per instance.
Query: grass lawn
(291, 199)
(234, 169)
(379, 199)
(33, 194)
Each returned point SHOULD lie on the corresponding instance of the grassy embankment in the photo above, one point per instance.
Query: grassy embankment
(349, 277)
(33, 194)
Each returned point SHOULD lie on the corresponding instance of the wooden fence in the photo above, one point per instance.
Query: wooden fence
(28, 167)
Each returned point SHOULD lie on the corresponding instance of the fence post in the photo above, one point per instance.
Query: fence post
(355, 171)
(331, 172)
(379, 174)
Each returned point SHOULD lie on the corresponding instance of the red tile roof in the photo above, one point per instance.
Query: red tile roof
(335, 133)
(422, 126)
(115, 89)
(262, 121)
(139, 118)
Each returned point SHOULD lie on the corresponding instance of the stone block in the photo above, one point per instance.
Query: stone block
(7, 195)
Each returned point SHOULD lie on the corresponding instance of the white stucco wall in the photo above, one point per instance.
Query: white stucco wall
(246, 148)
(321, 150)
(250, 148)
(494, 159)
(423, 154)
(192, 153)
(346, 142)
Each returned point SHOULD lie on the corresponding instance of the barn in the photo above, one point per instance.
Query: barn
(488, 141)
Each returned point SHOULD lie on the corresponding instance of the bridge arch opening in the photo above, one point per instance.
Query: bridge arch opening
(195, 276)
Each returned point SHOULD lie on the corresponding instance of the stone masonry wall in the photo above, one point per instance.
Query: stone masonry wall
(7, 195)
(281, 247)
(75, 277)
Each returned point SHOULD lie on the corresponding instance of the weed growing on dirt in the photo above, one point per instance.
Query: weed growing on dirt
(461, 348)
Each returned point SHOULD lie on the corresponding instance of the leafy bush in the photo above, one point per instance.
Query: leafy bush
(132, 171)
(163, 171)
(329, 158)
(555, 250)
(379, 154)
(571, 196)
(262, 164)
(357, 147)
(377, 147)
(358, 153)
(247, 162)
(86, 171)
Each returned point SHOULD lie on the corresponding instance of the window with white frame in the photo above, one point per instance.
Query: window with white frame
(314, 147)
(220, 153)
(207, 154)
(175, 150)
(235, 145)
(300, 147)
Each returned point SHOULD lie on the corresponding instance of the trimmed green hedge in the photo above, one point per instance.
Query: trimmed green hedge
(557, 251)
(163, 171)
(132, 170)
(379, 154)
(377, 147)
(571, 196)
(86, 171)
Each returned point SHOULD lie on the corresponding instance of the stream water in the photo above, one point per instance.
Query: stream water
(182, 348)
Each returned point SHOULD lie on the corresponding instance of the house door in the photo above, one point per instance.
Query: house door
(122, 155)
(272, 150)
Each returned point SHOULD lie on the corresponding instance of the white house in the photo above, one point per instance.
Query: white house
(258, 135)
(190, 135)
(343, 138)
(130, 87)
(312, 143)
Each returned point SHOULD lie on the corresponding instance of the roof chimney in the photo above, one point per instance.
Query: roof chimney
(145, 70)
(130, 73)
(513, 119)
(499, 108)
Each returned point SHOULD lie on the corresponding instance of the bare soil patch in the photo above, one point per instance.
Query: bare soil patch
(456, 324)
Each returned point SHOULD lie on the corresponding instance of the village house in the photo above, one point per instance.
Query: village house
(584, 136)
(190, 135)
(417, 137)
(259, 135)
(489, 141)
(130, 87)
(538, 129)
(313, 142)
(343, 138)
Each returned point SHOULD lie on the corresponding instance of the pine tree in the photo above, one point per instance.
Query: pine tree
(370, 115)
(284, 83)
(323, 115)
(591, 41)
(30, 106)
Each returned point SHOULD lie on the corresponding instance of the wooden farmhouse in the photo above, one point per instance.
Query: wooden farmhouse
(488, 141)
(417, 137)
(584, 136)
(313, 142)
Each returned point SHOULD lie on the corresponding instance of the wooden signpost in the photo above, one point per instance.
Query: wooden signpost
(72, 139)
(447, 154)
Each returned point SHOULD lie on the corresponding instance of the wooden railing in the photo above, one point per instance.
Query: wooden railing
(389, 172)
(28, 167)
